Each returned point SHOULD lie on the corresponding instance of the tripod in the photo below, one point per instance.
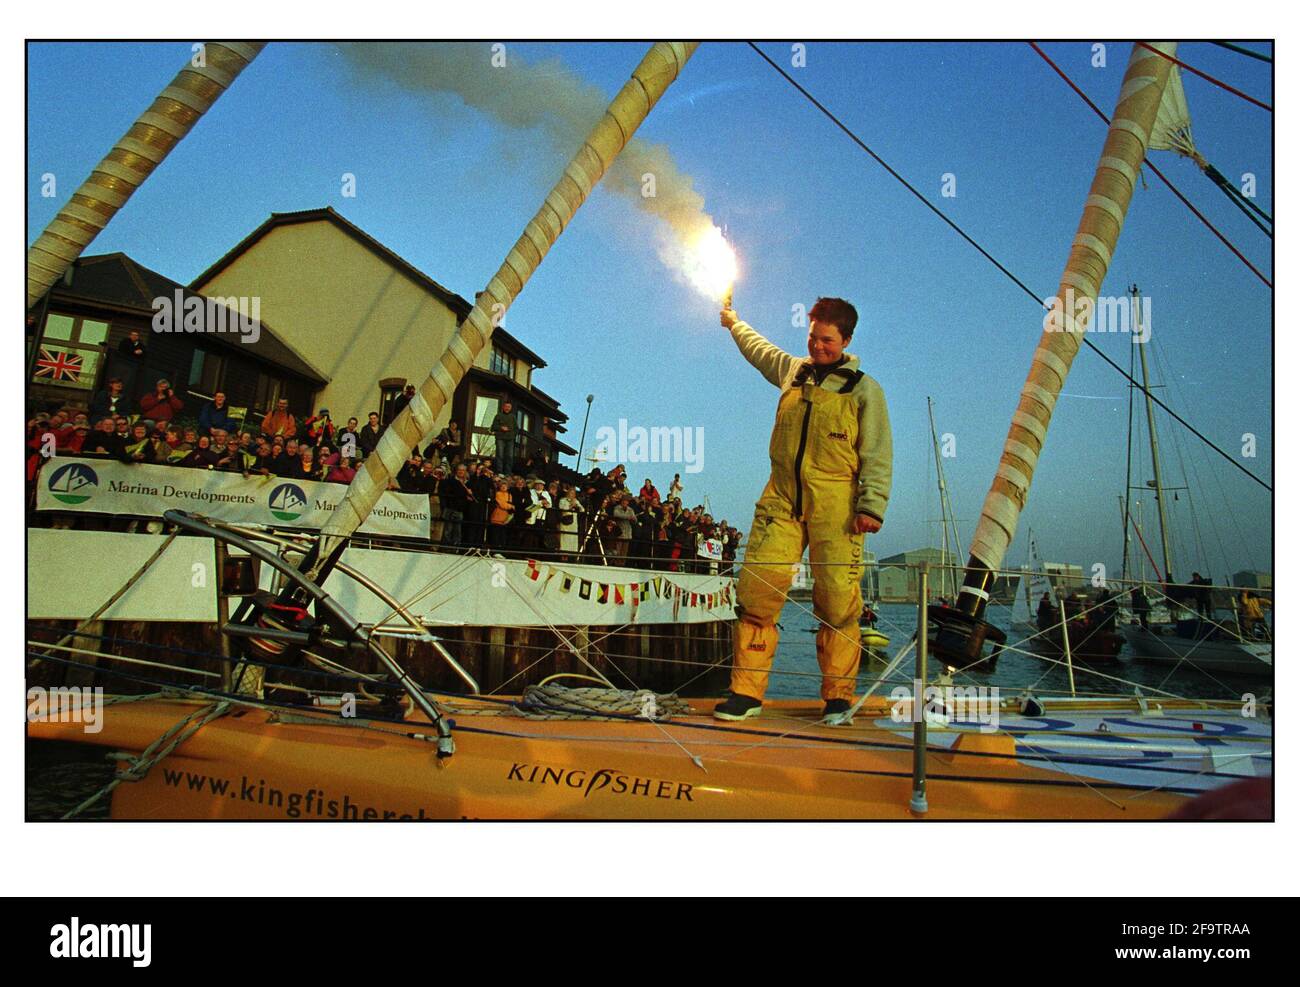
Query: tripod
(593, 528)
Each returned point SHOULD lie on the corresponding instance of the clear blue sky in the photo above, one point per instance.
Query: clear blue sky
(808, 213)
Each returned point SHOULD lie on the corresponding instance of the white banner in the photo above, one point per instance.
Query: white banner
(105, 486)
(180, 585)
(709, 548)
(527, 593)
(449, 589)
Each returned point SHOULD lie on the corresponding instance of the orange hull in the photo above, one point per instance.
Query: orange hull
(252, 764)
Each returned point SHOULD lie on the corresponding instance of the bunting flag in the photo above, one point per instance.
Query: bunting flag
(659, 586)
(604, 593)
(550, 574)
(566, 584)
(618, 595)
(677, 602)
(533, 571)
(584, 589)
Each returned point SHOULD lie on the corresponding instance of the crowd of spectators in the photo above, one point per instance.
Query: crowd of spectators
(489, 503)
(598, 520)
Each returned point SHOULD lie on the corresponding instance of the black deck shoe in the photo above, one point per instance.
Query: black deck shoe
(737, 707)
(836, 707)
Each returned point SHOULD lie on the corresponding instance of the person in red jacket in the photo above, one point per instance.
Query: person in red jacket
(162, 405)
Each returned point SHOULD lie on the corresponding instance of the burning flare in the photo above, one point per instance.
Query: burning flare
(709, 264)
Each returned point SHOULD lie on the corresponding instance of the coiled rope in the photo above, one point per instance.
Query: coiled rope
(550, 701)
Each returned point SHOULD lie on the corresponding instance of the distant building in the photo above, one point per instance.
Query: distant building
(1004, 588)
(1064, 577)
(371, 322)
(1253, 579)
(102, 298)
(801, 583)
(907, 562)
(892, 581)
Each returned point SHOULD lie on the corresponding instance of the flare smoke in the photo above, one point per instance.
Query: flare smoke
(546, 97)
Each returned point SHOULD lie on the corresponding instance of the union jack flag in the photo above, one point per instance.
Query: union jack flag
(55, 364)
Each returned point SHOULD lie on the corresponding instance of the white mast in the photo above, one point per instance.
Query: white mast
(1151, 430)
(659, 68)
(961, 630)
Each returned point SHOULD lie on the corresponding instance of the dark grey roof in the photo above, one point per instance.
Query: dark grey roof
(117, 281)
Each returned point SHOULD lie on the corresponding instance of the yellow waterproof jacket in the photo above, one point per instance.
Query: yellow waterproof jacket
(815, 441)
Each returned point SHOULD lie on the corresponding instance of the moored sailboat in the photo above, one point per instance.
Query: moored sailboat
(206, 754)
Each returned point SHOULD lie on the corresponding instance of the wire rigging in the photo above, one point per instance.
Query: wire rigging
(1207, 77)
(1243, 51)
(1158, 173)
(998, 264)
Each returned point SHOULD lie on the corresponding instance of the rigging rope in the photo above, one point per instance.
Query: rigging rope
(138, 767)
(1206, 76)
(1243, 51)
(1159, 174)
(1024, 287)
(549, 701)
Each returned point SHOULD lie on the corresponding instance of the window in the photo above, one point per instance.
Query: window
(502, 363)
(59, 327)
(485, 409)
(93, 333)
(482, 441)
(389, 392)
(206, 373)
(269, 390)
(70, 351)
(523, 431)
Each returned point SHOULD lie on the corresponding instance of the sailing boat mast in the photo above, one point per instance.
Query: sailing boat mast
(135, 156)
(1151, 429)
(948, 578)
(659, 68)
(960, 631)
(1127, 500)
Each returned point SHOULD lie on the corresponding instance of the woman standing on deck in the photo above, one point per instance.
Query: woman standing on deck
(832, 464)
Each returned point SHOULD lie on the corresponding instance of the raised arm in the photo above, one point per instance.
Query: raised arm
(769, 360)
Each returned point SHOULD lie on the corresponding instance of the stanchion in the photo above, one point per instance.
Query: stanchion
(919, 804)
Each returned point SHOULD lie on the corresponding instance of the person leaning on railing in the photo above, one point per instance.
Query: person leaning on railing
(503, 508)
(570, 523)
(458, 502)
(1250, 612)
(341, 472)
(202, 456)
(280, 421)
(436, 475)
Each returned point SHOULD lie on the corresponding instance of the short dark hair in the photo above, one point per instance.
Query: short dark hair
(838, 313)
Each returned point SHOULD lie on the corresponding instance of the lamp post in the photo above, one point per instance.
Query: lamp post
(583, 440)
